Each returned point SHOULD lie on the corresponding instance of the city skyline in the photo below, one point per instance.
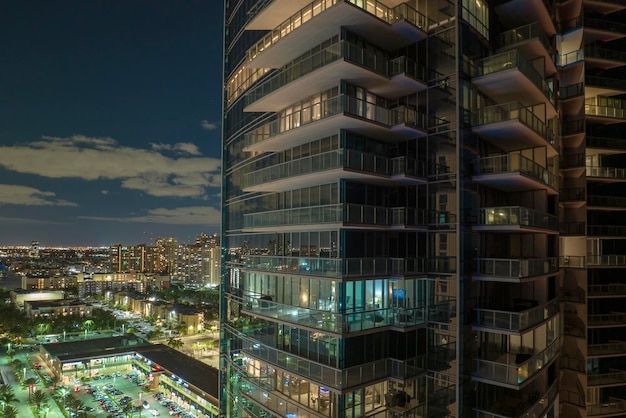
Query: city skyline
(112, 124)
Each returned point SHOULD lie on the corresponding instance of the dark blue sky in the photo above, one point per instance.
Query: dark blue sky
(110, 116)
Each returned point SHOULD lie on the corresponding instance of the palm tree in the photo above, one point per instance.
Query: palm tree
(30, 382)
(175, 343)
(43, 327)
(38, 399)
(88, 325)
(9, 412)
(7, 396)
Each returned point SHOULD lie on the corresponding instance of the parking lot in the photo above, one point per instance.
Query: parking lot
(114, 394)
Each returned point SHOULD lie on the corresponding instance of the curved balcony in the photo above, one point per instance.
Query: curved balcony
(311, 25)
(334, 267)
(575, 162)
(570, 58)
(513, 126)
(509, 76)
(514, 270)
(603, 30)
(606, 231)
(513, 173)
(606, 203)
(319, 70)
(609, 261)
(604, 7)
(394, 26)
(336, 216)
(529, 40)
(572, 262)
(606, 174)
(576, 295)
(605, 114)
(572, 197)
(603, 58)
(604, 86)
(611, 320)
(329, 116)
(572, 91)
(611, 290)
(515, 219)
(576, 363)
(512, 11)
(607, 145)
(513, 370)
(611, 378)
(610, 349)
(333, 322)
(611, 408)
(514, 407)
(332, 165)
(506, 321)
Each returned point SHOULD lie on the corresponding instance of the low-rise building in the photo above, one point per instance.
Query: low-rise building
(56, 308)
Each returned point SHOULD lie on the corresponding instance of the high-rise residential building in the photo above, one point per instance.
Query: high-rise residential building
(423, 208)
(164, 255)
(127, 258)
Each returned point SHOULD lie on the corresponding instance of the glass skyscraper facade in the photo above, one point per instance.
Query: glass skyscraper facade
(408, 225)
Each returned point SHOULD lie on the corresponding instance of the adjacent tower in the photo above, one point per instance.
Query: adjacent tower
(421, 203)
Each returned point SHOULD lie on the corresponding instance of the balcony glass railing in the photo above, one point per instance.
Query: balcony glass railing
(605, 54)
(572, 228)
(571, 58)
(573, 90)
(516, 321)
(334, 322)
(514, 373)
(516, 215)
(614, 201)
(511, 163)
(374, 60)
(339, 213)
(513, 59)
(523, 34)
(573, 194)
(572, 261)
(572, 160)
(617, 260)
(576, 295)
(605, 111)
(516, 268)
(606, 230)
(341, 158)
(611, 289)
(573, 127)
(611, 407)
(600, 142)
(607, 349)
(516, 111)
(599, 320)
(605, 25)
(570, 24)
(313, 9)
(613, 377)
(606, 82)
(333, 267)
(526, 409)
(334, 106)
(607, 172)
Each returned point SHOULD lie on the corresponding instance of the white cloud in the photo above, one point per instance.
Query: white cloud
(146, 170)
(192, 215)
(11, 194)
(179, 148)
(104, 192)
(209, 126)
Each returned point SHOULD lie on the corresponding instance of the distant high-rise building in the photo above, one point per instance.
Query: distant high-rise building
(34, 249)
(128, 258)
(423, 208)
(165, 255)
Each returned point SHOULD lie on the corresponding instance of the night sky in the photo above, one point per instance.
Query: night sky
(110, 120)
